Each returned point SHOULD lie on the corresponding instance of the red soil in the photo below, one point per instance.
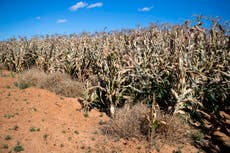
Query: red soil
(59, 123)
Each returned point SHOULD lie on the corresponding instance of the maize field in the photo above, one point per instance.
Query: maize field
(177, 68)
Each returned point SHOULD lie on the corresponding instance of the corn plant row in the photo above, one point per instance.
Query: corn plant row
(180, 67)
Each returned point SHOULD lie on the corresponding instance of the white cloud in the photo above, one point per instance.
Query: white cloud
(98, 4)
(78, 5)
(145, 9)
(62, 20)
(38, 18)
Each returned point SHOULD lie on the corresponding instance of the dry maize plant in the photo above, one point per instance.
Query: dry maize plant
(182, 67)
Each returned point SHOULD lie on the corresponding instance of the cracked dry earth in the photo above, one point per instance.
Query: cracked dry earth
(34, 120)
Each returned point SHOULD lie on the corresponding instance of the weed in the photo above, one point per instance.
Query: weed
(8, 137)
(82, 147)
(15, 128)
(197, 136)
(18, 147)
(35, 109)
(69, 138)
(9, 94)
(23, 85)
(8, 116)
(76, 132)
(8, 87)
(34, 129)
(64, 131)
(62, 145)
(45, 136)
(5, 146)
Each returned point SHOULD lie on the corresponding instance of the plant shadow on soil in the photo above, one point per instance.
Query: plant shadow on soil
(215, 131)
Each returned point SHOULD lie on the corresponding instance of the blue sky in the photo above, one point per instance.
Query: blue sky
(40, 17)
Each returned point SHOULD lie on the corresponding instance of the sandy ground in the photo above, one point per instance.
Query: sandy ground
(40, 121)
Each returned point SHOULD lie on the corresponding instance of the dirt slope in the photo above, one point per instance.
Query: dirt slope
(38, 121)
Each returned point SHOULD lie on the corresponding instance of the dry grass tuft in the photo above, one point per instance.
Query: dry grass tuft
(60, 83)
(132, 123)
(128, 122)
(172, 130)
(33, 77)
